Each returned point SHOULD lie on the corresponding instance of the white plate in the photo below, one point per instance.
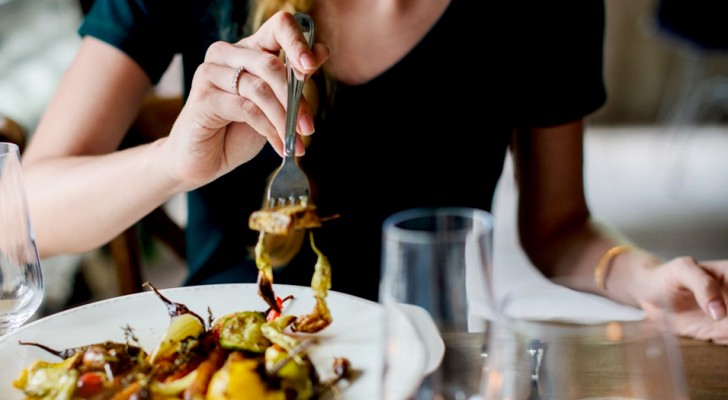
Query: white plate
(355, 333)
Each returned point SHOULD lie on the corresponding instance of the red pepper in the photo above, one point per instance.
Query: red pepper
(273, 314)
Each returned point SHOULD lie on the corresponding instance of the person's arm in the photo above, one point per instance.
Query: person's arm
(560, 237)
(81, 193)
(554, 221)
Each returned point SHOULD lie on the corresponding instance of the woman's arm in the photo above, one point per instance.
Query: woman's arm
(554, 221)
(81, 192)
(560, 237)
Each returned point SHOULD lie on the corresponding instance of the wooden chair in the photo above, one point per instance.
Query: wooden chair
(13, 132)
(155, 120)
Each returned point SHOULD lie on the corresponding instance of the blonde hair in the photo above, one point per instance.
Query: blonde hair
(261, 10)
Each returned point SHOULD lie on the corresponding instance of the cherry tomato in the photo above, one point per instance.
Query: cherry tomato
(90, 384)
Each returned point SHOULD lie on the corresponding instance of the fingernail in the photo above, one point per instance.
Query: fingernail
(305, 123)
(717, 310)
(307, 61)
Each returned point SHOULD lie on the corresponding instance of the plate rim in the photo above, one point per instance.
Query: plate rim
(165, 291)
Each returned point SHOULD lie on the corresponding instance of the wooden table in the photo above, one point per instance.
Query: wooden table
(705, 365)
(706, 369)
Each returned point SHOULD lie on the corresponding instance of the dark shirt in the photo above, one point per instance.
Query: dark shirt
(433, 130)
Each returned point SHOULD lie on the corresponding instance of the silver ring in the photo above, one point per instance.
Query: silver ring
(236, 77)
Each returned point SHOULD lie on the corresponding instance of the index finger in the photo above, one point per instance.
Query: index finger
(717, 268)
(706, 286)
(281, 32)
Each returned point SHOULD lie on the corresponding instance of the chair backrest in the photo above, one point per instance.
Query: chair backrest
(13, 132)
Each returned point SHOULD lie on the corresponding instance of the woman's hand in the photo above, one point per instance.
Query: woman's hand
(228, 117)
(696, 294)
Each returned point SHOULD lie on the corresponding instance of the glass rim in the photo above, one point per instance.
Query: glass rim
(392, 224)
(8, 148)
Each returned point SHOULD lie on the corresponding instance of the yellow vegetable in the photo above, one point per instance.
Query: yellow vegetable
(180, 328)
(239, 380)
(294, 375)
(49, 381)
(174, 387)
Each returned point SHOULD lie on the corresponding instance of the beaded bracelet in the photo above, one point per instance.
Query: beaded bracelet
(600, 272)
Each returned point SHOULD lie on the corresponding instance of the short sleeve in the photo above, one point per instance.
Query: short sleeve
(147, 31)
(559, 65)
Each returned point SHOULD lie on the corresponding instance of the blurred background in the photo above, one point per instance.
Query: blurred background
(656, 153)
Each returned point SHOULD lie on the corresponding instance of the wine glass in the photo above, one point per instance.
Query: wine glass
(435, 289)
(566, 356)
(21, 278)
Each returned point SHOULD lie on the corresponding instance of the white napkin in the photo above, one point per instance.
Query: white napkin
(530, 294)
(550, 302)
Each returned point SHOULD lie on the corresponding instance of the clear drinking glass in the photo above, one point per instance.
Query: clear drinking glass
(21, 279)
(435, 289)
(532, 357)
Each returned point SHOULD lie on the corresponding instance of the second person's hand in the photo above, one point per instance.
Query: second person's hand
(692, 294)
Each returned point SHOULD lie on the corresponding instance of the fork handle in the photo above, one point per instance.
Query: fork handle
(295, 87)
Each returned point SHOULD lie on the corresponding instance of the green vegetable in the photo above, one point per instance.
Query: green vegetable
(241, 331)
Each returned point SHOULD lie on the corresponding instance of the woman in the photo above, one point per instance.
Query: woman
(395, 81)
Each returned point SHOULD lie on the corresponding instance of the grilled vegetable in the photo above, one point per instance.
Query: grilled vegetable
(320, 317)
(44, 380)
(284, 220)
(265, 274)
(242, 331)
(243, 355)
(240, 379)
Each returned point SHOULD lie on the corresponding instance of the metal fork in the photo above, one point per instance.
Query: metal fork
(536, 350)
(289, 184)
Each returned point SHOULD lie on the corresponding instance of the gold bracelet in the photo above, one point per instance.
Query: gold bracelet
(600, 272)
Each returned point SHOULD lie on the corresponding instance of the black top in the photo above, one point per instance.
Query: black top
(431, 131)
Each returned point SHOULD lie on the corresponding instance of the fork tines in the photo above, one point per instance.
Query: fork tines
(285, 201)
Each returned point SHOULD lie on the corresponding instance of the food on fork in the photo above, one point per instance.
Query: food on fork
(241, 355)
(320, 317)
(283, 220)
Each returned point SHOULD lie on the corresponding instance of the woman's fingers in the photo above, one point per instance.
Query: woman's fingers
(708, 289)
(718, 308)
(267, 67)
(249, 87)
(253, 87)
(246, 82)
(261, 77)
(281, 32)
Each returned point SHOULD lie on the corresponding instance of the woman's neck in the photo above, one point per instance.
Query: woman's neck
(369, 37)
